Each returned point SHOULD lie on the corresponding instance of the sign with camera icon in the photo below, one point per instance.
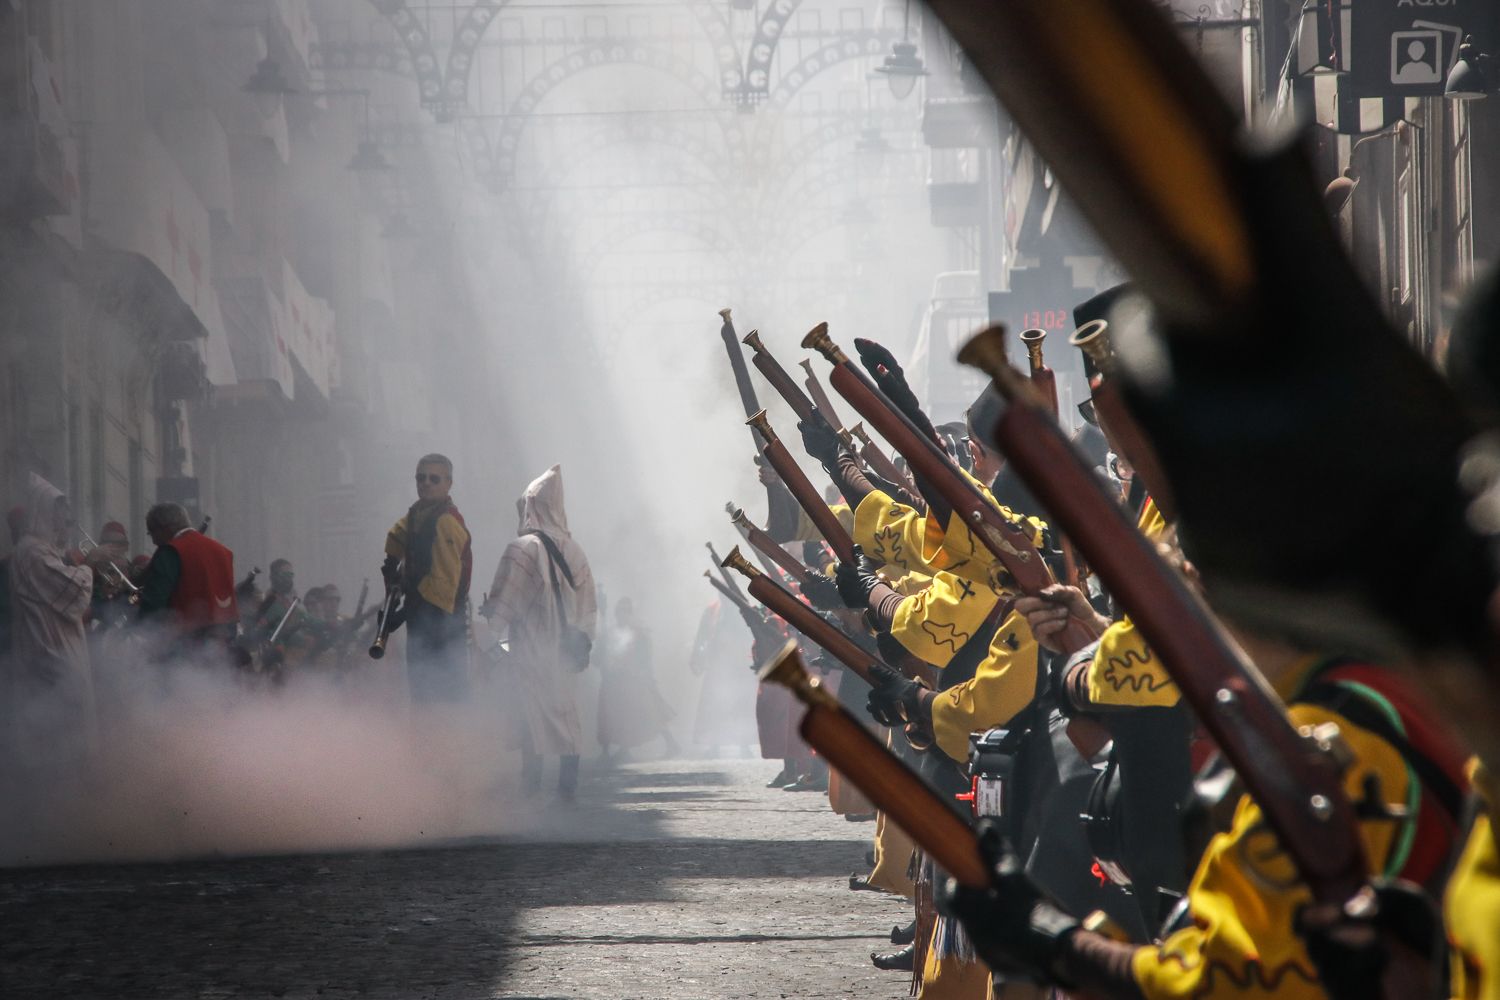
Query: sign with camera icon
(1405, 48)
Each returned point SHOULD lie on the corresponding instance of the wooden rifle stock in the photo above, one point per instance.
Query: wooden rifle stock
(1045, 382)
(780, 380)
(803, 490)
(878, 460)
(737, 365)
(1009, 542)
(1292, 778)
(1119, 427)
(820, 397)
(766, 546)
(887, 782)
(802, 617)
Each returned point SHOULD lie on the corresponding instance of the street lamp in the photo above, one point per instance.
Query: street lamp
(268, 86)
(901, 68)
(1468, 79)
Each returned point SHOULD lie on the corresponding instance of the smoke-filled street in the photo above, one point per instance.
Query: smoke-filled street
(678, 880)
(614, 499)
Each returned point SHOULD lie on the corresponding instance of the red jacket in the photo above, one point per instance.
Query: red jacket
(204, 594)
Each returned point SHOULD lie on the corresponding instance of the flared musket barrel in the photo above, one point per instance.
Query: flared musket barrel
(752, 341)
(1092, 338)
(1033, 340)
(788, 670)
(724, 313)
(738, 517)
(986, 351)
(817, 339)
(762, 426)
(737, 561)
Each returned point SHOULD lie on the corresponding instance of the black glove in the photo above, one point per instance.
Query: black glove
(894, 700)
(820, 441)
(886, 371)
(1391, 941)
(822, 592)
(390, 571)
(1014, 925)
(855, 580)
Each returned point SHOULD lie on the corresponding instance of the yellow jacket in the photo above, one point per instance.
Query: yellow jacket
(1126, 673)
(1245, 893)
(935, 623)
(448, 572)
(1471, 907)
(891, 533)
(1002, 685)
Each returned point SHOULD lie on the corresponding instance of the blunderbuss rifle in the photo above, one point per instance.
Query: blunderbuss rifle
(387, 620)
(765, 562)
(886, 781)
(786, 387)
(930, 464)
(766, 546)
(878, 460)
(760, 628)
(802, 490)
(1119, 427)
(1292, 775)
(1044, 380)
(806, 620)
(737, 365)
(729, 580)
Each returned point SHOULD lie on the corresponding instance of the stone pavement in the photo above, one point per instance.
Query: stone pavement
(670, 880)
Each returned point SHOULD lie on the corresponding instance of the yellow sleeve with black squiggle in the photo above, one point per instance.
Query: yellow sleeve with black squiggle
(1126, 673)
(954, 546)
(935, 623)
(1001, 687)
(1471, 905)
(890, 533)
(1245, 895)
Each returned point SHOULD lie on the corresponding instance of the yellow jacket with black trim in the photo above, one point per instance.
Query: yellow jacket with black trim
(955, 548)
(1244, 896)
(1004, 683)
(937, 621)
(1125, 673)
(441, 584)
(891, 533)
(1471, 906)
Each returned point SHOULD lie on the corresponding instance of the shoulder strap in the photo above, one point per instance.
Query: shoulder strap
(555, 557)
(1369, 710)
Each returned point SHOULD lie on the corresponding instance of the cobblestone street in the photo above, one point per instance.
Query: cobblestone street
(668, 880)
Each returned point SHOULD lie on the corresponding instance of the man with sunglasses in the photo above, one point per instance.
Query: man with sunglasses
(428, 557)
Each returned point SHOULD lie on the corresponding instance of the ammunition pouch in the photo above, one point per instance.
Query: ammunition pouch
(995, 775)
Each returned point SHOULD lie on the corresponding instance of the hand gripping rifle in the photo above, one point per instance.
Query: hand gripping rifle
(803, 490)
(820, 399)
(387, 621)
(877, 459)
(766, 546)
(1007, 541)
(1292, 776)
(886, 781)
(804, 619)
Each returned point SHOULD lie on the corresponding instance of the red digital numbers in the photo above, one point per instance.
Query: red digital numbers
(1045, 319)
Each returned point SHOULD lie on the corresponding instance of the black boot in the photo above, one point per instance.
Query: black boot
(904, 935)
(567, 778)
(783, 777)
(895, 961)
